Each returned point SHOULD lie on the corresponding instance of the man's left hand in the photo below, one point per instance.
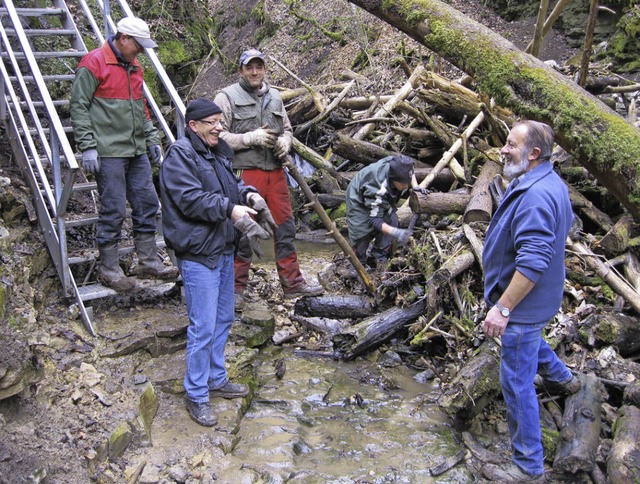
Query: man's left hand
(283, 146)
(495, 323)
(156, 154)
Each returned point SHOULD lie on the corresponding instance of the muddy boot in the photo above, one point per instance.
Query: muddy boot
(149, 265)
(110, 273)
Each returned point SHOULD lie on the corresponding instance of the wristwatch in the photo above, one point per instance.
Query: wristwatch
(506, 312)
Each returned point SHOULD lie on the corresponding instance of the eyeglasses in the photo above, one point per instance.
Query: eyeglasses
(136, 42)
(213, 124)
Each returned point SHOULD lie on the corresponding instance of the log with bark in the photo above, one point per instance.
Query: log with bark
(623, 463)
(607, 144)
(480, 206)
(581, 425)
(439, 203)
(335, 306)
(474, 385)
(376, 330)
(615, 329)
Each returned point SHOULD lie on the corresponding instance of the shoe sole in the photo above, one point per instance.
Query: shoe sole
(214, 393)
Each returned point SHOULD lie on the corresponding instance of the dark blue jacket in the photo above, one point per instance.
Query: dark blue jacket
(199, 190)
(528, 233)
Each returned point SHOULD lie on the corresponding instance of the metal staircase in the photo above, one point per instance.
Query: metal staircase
(40, 48)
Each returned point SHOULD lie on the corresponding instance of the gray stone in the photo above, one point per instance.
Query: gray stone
(119, 440)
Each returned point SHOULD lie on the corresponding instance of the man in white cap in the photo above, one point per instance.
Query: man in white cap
(259, 131)
(113, 131)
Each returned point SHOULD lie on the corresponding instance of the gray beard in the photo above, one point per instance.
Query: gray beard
(511, 171)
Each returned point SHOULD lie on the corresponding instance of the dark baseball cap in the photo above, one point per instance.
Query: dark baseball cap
(250, 54)
(401, 169)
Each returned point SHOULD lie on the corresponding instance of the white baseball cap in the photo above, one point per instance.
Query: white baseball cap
(138, 29)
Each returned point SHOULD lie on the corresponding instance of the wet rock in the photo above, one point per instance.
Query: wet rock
(258, 327)
(324, 325)
(148, 407)
(119, 440)
(167, 372)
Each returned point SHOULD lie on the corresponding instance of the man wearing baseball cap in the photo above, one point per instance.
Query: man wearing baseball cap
(259, 131)
(113, 131)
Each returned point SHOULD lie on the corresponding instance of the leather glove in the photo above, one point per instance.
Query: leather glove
(401, 235)
(264, 217)
(283, 146)
(91, 161)
(253, 232)
(260, 137)
(424, 191)
(156, 154)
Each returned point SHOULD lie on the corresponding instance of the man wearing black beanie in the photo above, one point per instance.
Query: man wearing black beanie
(372, 196)
(204, 213)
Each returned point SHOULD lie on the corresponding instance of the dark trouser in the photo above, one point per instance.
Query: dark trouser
(119, 180)
(272, 186)
(381, 246)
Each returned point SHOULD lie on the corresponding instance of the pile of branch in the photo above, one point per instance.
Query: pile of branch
(428, 299)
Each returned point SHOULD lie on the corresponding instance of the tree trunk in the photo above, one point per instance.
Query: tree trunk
(603, 141)
(480, 207)
(580, 433)
(623, 464)
(475, 384)
(614, 329)
(439, 203)
(333, 306)
(376, 330)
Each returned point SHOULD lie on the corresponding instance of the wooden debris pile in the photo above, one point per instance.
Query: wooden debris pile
(427, 304)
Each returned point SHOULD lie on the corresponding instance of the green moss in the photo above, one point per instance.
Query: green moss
(550, 439)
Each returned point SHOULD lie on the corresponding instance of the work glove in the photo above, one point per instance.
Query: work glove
(283, 146)
(253, 232)
(156, 154)
(264, 217)
(401, 235)
(260, 137)
(91, 161)
(424, 191)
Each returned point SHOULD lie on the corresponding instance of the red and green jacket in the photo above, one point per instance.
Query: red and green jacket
(108, 109)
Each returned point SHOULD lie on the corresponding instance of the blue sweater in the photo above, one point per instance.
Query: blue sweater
(528, 233)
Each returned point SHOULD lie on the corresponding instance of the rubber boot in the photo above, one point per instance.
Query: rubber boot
(110, 273)
(149, 265)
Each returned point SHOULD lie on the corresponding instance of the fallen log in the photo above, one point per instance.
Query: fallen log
(443, 180)
(300, 129)
(439, 203)
(623, 463)
(589, 210)
(631, 395)
(322, 325)
(616, 240)
(364, 102)
(376, 330)
(358, 150)
(480, 206)
(474, 385)
(334, 306)
(604, 142)
(580, 432)
(615, 329)
(617, 283)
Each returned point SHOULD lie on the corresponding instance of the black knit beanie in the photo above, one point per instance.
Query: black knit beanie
(401, 169)
(201, 108)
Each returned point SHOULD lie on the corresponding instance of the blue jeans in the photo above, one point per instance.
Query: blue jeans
(525, 353)
(209, 298)
(119, 180)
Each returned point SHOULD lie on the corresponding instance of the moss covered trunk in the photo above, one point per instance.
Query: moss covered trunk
(602, 141)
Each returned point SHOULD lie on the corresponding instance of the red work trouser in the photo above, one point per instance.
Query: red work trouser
(272, 186)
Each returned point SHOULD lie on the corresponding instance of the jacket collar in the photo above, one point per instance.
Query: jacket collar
(112, 55)
(536, 174)
(221, 149)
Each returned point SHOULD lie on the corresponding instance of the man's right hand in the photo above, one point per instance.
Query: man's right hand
(401, 235)
(260, 137)
(253, 232)
(90, 161)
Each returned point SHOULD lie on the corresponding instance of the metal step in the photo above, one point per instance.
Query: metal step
(35, 12)
(50, 78)
(89, 292)
(48, 55)
(85, 187)
(42, 32)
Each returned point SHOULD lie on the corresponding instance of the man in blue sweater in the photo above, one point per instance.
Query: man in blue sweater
(524, 278)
